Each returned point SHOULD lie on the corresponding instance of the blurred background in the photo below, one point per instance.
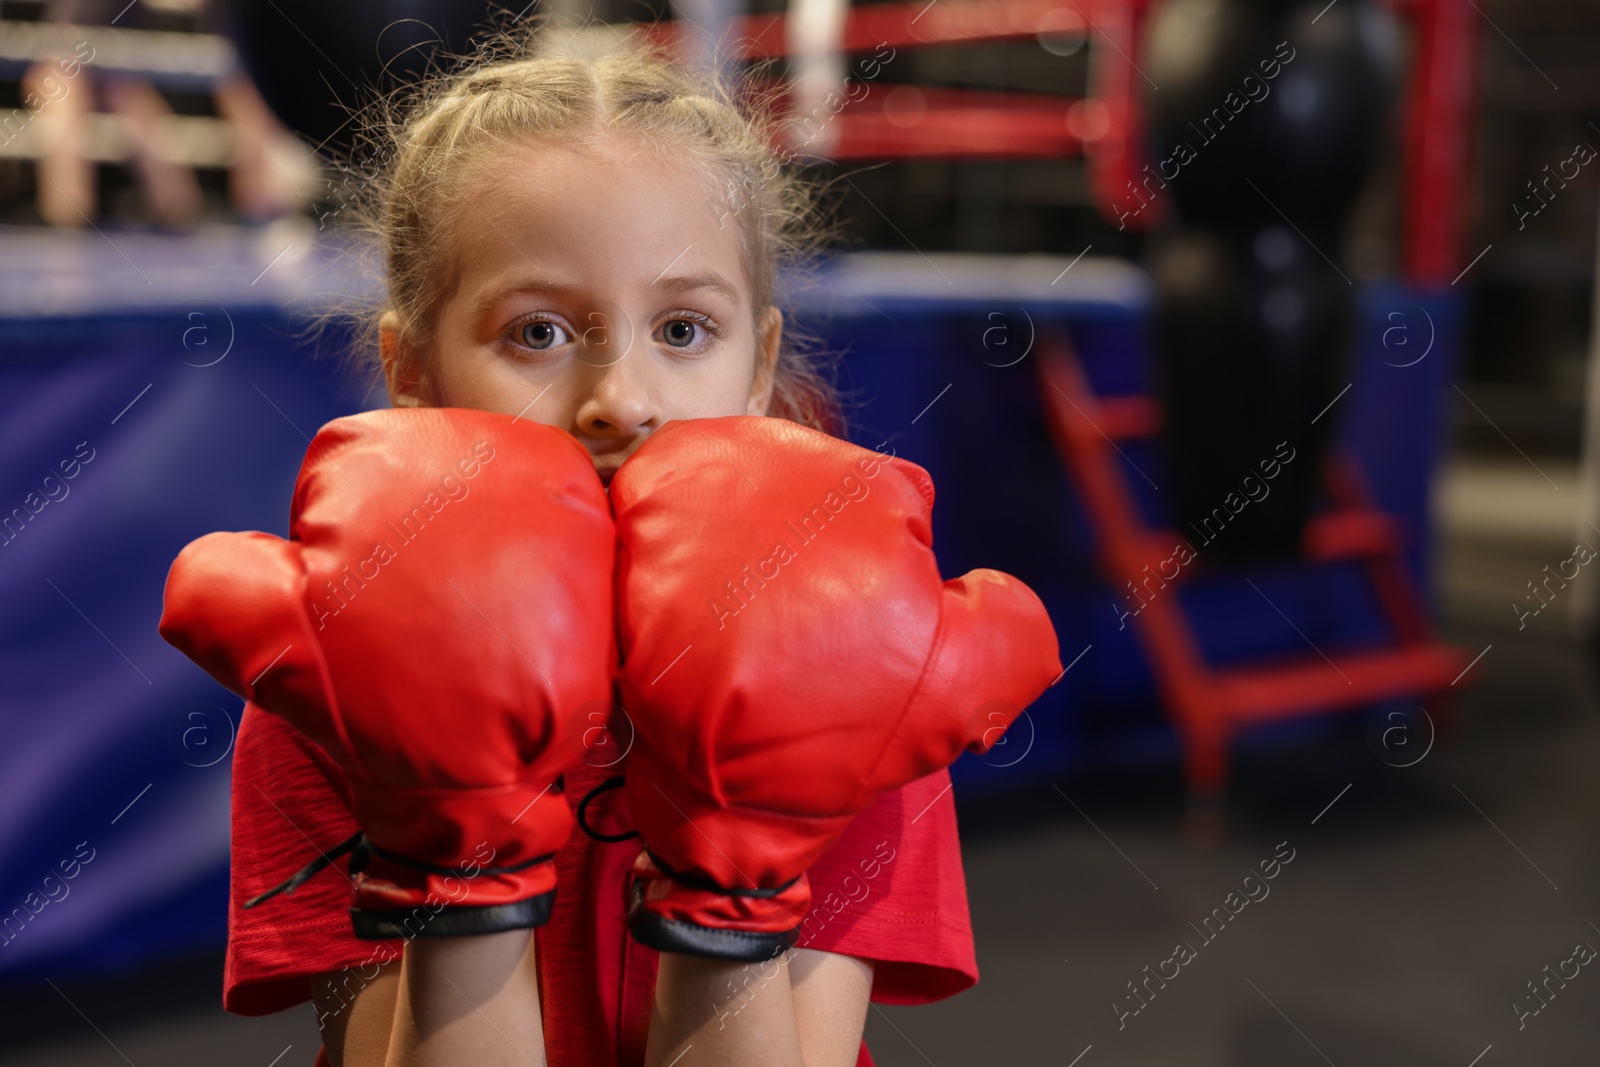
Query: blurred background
(1255, 335)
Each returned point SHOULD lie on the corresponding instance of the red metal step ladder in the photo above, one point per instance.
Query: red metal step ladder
(1207, 704)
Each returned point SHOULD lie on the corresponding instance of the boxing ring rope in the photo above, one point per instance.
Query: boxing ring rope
(1106, 127)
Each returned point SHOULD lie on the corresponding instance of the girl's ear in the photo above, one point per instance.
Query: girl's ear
(407, 379)
(769, 341)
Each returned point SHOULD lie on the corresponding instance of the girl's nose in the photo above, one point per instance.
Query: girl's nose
(620, 404)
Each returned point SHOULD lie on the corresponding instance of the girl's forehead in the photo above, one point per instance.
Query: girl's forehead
(568, 213)
(598, 186)
(597, 162)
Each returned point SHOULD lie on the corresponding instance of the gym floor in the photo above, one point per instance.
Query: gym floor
(1418, 905)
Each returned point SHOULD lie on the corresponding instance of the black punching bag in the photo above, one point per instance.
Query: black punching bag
(315, 61)
(1268, 120)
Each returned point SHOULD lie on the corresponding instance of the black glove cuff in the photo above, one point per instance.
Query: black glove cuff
(692, 939)
(468, 920)
(675, 935)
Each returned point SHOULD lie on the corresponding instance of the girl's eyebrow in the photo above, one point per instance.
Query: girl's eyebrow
(710, 279)
(674, 284)
(522, 285)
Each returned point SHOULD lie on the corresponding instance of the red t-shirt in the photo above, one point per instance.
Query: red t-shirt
(892, 890)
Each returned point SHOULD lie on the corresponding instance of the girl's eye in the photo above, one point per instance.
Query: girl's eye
(540, 334)
(680, 332)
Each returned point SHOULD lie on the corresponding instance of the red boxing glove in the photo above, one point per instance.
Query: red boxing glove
(440, 622)
(789, 652)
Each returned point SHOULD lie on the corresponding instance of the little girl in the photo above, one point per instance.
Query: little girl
(593, 245)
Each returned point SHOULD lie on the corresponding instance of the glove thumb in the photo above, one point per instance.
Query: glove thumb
(234, 604)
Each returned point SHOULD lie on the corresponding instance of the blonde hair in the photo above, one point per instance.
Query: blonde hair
(428, 137)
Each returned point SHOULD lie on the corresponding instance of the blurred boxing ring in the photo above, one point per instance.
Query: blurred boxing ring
(175, 377)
